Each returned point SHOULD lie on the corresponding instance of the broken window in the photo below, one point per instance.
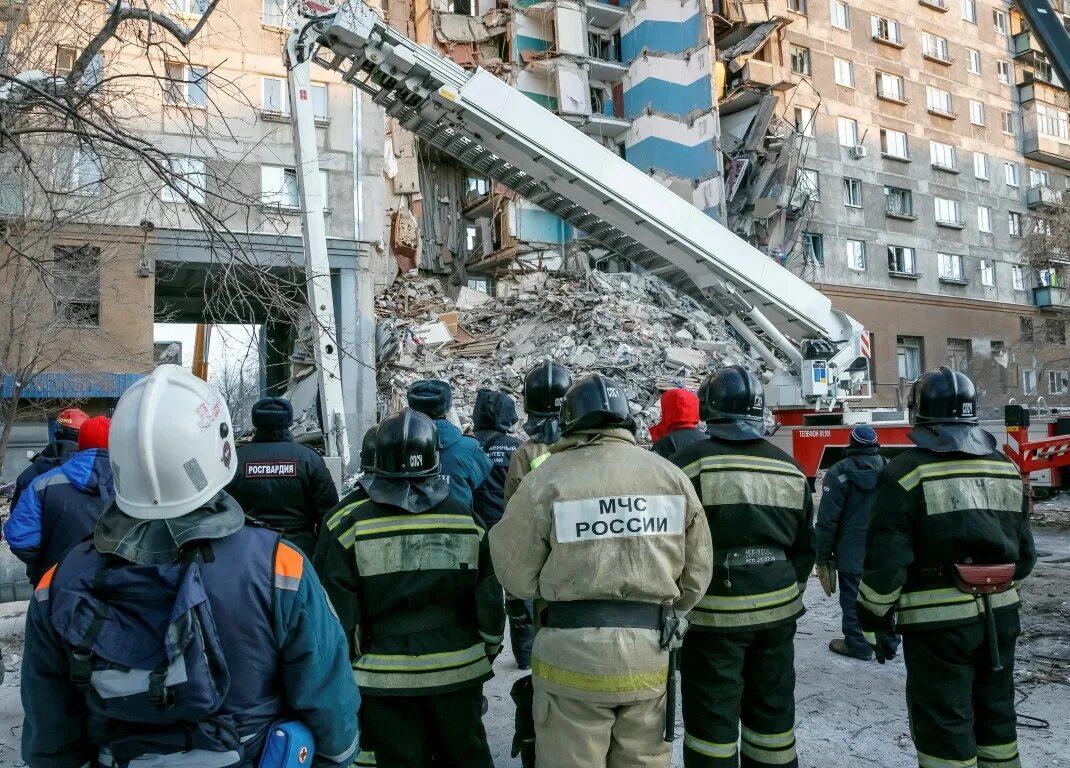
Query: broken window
(1025, 329)
(277, 13)
(988, 273)
(1029, 381)
(1010, 174)
(852, 193)
(804, 121)
(999, 21)
(856, 255)
(909, 354)
(901, 260)
(809, 183)
(1058, 382)
(1014, 224)
(958, 354)
(800, 60)
(1006, 121)
(76, 276)
(898, 201)
(278, 187)
(1003, 71)
(815, 248)
(187, 7)
(78, 170)
(1018, 280)
(935, 47)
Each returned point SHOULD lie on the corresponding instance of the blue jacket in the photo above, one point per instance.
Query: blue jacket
(285, 652)
(52, 456)
(847, 497)
(58, 510)
(466, 466)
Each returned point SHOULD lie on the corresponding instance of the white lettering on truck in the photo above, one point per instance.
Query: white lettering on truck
(612, 517)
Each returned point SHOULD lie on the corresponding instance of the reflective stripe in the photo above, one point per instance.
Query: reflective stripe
(433, 670)
(41, 593)
(928, 761)
(998, 752)
(748, 602)
(870, 637)
(289, 564)
(1014, 762)
(382, 661)
(876, 603)
(768, 756)
(413, 523)
(737, 461)
(344, 756)
(195, 758)
(442, 551)
(539, 460)
(709, 748)
(770, 740)
(491, 639)
(973, 493)
(337, 518)
(584, 681)
(939, 605)
(911, 480)
(756, 487)
(366, 759)
(745, 618)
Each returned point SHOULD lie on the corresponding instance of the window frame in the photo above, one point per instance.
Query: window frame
(806, 130)
(905, 194)
(856, 249)
(988, 273)
(909, 343)
(835, 5)
(939, 102)
(193, 192)
(1007, 166)
(977, 113)
(971, 16)
(296, 204)
(837, 67)
(938, 148)
(1002, 28)
(883, 77)
(852, 192)
(950, 205)
(885, 133)
(1003, 71)
(177, 93)
(847, 121)
(1063, 374)
(76, 286)
(973, 61)
(950, 267)
(984, 219)
(986, 165)
(814, 245)
(904, 254)
(801, 55)
(1018, 281)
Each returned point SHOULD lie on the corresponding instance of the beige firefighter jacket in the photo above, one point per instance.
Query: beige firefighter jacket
(603, 519)
(520, 464)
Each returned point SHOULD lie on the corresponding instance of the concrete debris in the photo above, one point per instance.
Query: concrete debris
(635, 328)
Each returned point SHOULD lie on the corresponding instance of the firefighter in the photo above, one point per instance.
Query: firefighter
(678, 427)
(367, 467)
(847, 497)
(281, 484)
(493, 417)
(613, 539)
(738, 664)
(178, 635)
(64, 445)
(950, 522)
(409, 573)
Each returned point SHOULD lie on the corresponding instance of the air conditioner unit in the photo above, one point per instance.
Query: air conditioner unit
(858, 151)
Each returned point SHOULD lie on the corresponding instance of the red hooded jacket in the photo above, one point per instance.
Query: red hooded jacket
(679, 410)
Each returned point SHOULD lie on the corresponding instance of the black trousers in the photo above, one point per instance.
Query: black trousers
(960, 709)
(442, 730)
(521, 629)
(733, 678)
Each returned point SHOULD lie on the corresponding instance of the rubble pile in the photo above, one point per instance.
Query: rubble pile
(634, 328)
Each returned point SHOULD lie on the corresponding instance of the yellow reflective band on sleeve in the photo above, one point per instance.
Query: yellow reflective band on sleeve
(432, 670)
(336, 519)
(366, 759)
(749, 602)
(1001, 755)
(491, 639)
(876, 603)
(538, 460)
(709, 748)
(928, 761)
(870, 637)
(911, 480)
(396, 523)
(584, 681)
(699, 616)
(737, 461)
(947, 604)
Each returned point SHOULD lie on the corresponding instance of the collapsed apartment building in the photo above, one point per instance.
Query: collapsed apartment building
(685, 91)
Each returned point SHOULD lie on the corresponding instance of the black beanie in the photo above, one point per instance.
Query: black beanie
(431, 397)
(273, 413)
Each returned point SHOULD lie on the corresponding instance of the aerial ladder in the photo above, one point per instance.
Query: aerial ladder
(818, 356)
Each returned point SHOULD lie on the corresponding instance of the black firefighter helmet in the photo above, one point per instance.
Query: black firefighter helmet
(367, 450)
(544, 386)
(732, 403)
(406, 445)
(943, 396)
(596, 402)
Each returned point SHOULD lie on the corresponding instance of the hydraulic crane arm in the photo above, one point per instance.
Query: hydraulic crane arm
(494, 129)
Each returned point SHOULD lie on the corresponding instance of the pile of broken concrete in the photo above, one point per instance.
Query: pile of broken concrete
(634, 328)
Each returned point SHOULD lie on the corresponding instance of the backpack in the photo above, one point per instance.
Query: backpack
(146, 652)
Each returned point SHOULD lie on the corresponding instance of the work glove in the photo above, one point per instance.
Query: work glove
(492, 650)
(878, 641)
(826, 574)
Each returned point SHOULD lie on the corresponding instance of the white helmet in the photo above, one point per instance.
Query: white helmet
(171, 445)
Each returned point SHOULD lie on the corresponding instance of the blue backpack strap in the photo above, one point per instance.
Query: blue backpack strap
(82, 654)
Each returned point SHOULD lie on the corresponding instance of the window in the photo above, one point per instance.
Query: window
(856, 255)
(278, 186)
(958, 354)
(1025, 328)
(980, 166)
(973, 61)
(947, 211)
(969, 10)
(894, 144)
(809, 183)
(189, 178)
(935, 47)
(1039, 178)
(984, 219)
(901, 260)
(187, 7)
(78, 171)
(852, 193)
(840, 12)
(885, 29)
(909, 351)
(804, 121)
(800, 60)
(950, 267)
(1048, 278)
(277, 13)
(1015, 225)
(1029, 381)
(898, 202)
(845, 72)
(848, 132)
(938, 100)
(999, 21)
(1058, 382)
(977, 112)
(276, 97)
(890, 87)
(76, 275)
(815, 248)
(1052, 122)
(1010, 174)
(988, 272)
(1006, 121)
(1055, 332)
(1042, 227)
(943, 155)
(1018, 281)
(1003, 72)
(186, 85)
(799, 6)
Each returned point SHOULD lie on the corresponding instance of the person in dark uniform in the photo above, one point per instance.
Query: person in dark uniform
(678, 427)
(947, 548)
(493, 416)
(409, 573)
(281, 484)
(738, 660)
(64, 445)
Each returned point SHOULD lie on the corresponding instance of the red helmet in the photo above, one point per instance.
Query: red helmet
(72, 418)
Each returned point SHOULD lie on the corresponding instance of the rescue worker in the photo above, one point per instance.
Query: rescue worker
(60, 508)
(544, 387)
(678, 427)
(847, 496)
(64, 445)
(367, 467)
(409, 572)
(281, 484)
(951, 521)
(493, 418)
(463, 462)
(240, 610)
(613, 539)
(738, 663)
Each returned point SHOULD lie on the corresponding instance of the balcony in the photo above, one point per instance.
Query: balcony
(1051, 297)
(898, 213)
(894, 42)
(1025, 45)
(938, 57)
(604, 15)
(947, 114)
(1046, 149)
(1037, 90)
(949, 224)
(1042, 198)
(599, 126)
(605, 70)
(892, 96)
